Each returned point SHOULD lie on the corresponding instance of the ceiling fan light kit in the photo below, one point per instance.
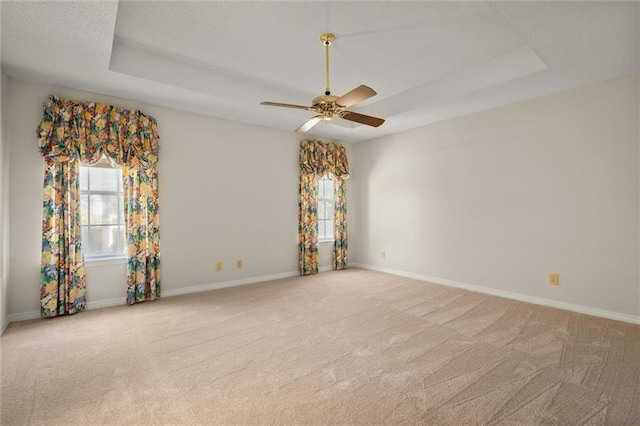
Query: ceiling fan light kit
(328, 106)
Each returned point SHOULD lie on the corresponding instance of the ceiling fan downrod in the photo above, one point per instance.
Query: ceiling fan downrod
(326, 39)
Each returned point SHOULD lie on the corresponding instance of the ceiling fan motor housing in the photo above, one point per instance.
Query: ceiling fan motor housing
(326, 106)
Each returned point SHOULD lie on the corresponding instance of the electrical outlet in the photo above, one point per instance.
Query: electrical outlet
(218, 266)
(383, 255)
(239, 263)
(554, 278)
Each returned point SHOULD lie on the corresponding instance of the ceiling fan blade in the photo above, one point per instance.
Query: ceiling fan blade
(362, 119)
(285, 105)
(358, 94)
(309, 124)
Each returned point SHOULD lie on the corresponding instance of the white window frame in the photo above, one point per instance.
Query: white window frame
(331, 199)
(103, 258)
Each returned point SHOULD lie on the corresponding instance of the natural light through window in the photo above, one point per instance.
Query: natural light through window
(325, 208)
(102, 211)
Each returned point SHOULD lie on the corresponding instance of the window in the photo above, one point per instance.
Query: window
(102, 211)
(325, 208)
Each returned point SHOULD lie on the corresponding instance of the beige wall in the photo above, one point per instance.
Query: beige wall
(497, 199)
(4, 204)
(502, 198)
(228, 191)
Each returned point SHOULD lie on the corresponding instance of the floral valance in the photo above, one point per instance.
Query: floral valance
(87, 130)
(319, 157)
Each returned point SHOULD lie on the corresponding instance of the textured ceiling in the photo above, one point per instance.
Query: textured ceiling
(428, 61)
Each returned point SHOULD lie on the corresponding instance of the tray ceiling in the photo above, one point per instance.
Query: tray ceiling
(428, 61)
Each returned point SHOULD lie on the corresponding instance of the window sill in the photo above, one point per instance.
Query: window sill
(325, 241)
(106, 261)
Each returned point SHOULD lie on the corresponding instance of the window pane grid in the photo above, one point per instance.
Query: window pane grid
(102, 211)
(325, 208)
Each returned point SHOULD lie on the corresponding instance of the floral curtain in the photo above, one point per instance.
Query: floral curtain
(82, 132)
(143, 233)
(62, 265)
(340, 225)
(316, 159)
(308, 224)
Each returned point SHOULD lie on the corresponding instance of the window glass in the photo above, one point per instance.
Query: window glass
(329, 209)
(104, 240)
(84, 180)
(84, 208)
(104, 179)
(105, 209)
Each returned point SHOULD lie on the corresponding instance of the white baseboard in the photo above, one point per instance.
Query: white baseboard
(119, 301)
(23, 316)
(225, 284)
(4, 324)
(107, 303)
(508, 294)
(244, 281)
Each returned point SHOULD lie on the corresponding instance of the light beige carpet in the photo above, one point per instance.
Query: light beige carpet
(338, 348)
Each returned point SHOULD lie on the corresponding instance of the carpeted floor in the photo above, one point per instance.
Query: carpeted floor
(345, 347)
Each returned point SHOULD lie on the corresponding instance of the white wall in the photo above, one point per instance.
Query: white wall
(501, 198)
(4, 204)
(228, 191)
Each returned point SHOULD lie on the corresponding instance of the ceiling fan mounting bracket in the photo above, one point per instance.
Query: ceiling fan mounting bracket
(327, 38)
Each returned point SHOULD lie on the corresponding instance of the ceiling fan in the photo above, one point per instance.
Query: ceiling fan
(328, 106)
